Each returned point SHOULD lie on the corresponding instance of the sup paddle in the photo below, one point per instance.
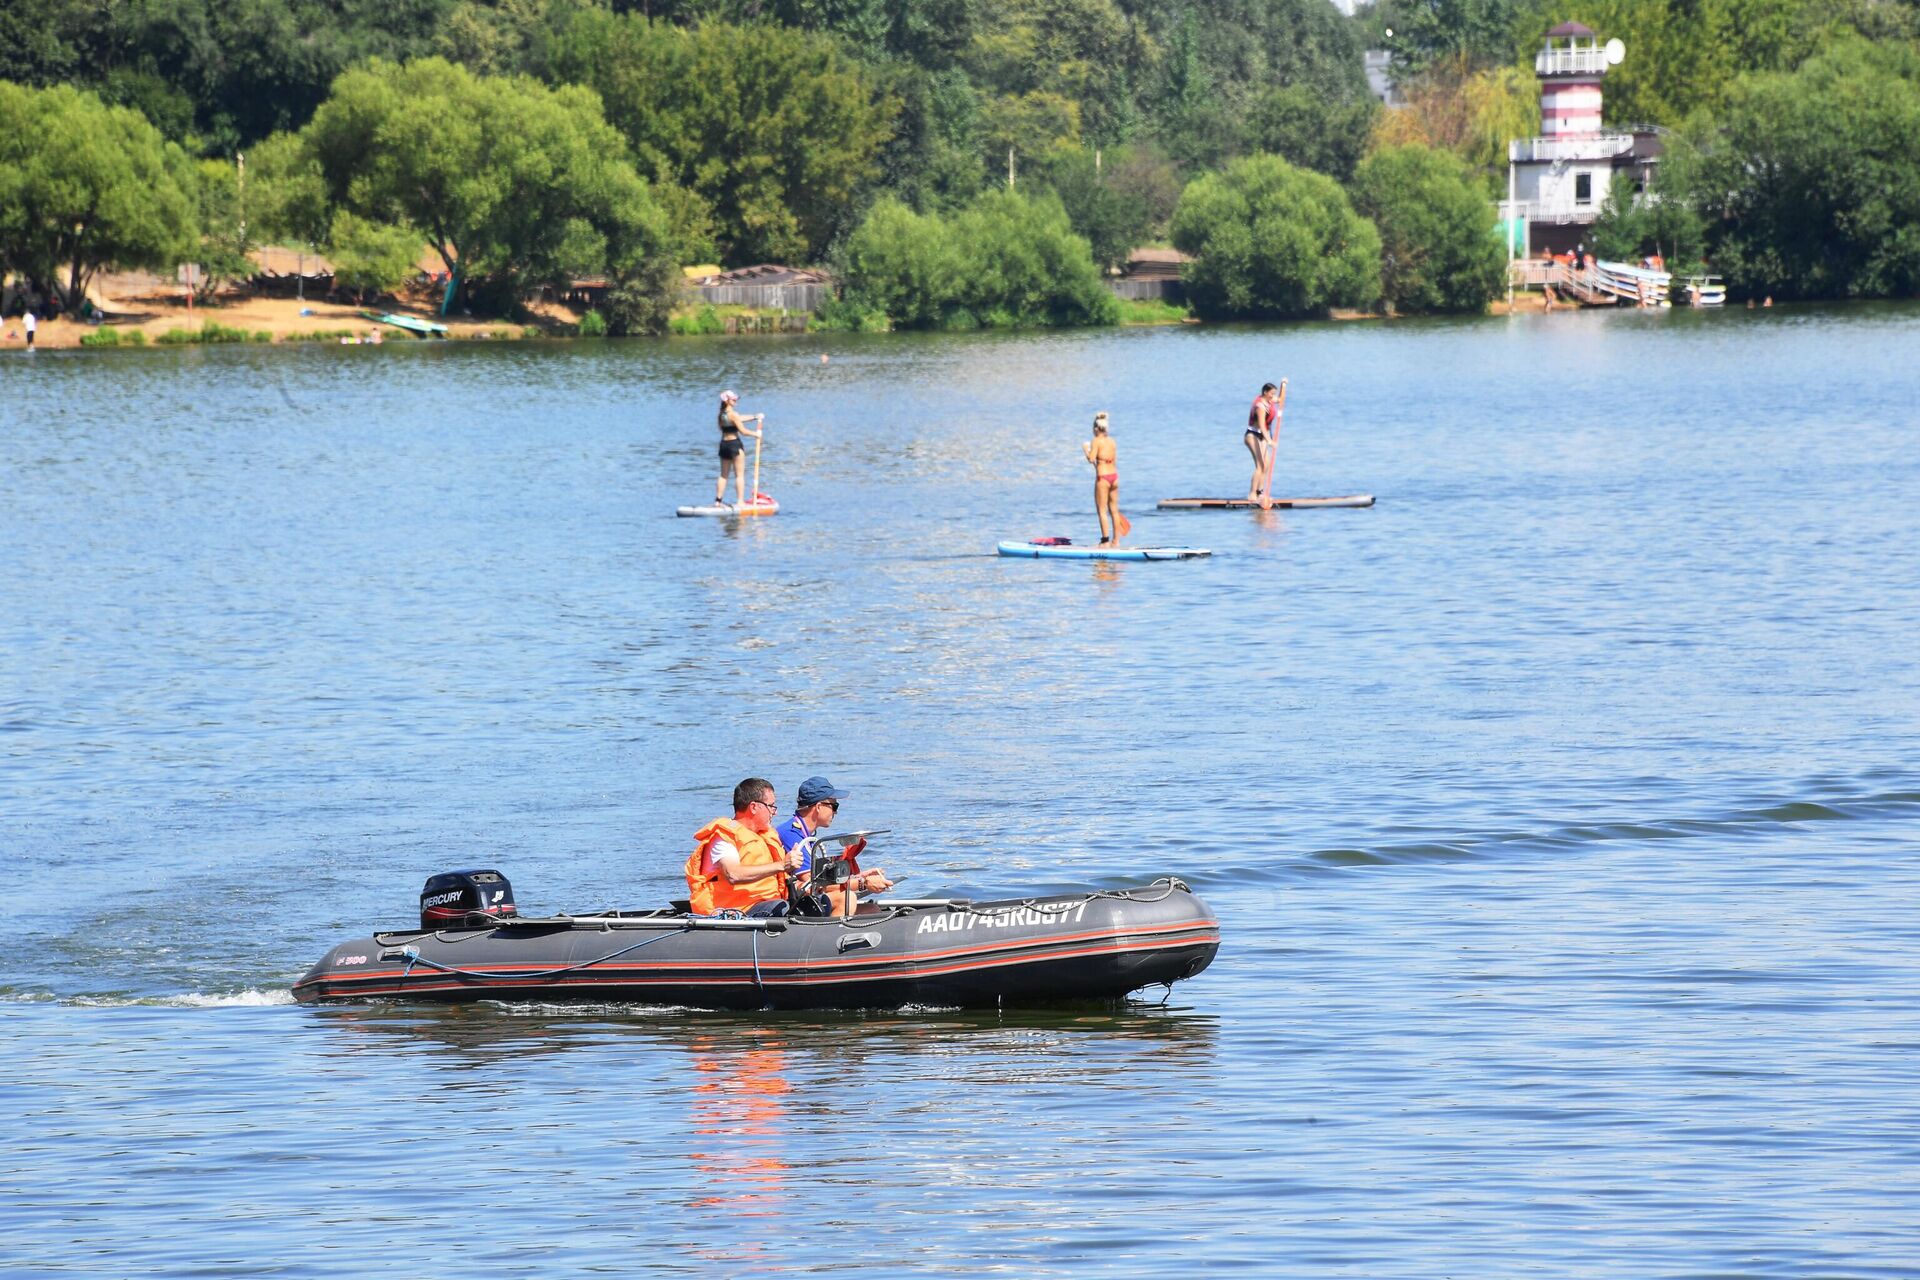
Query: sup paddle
(756, 460)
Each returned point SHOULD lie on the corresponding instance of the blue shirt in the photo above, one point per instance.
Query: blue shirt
(795, 834)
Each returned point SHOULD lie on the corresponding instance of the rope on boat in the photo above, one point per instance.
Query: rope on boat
(1167, 885)
(414, 957)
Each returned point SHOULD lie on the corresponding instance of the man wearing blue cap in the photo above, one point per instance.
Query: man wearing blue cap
(813, 812)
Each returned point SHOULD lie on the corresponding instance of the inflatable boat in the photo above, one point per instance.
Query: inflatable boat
(1097, 945)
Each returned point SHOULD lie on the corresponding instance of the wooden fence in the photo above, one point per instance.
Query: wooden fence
(790, 297)
(1138, 290)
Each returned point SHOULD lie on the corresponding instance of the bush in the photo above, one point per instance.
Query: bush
(1271, 241)
(1009, 258)
(641, 298)
(101, 338)
(209, 334)
(1439, 246)
(706, 319)
(1810, 181)
(839, 315)
(134, 338)
(1152, 311)
(592, 325)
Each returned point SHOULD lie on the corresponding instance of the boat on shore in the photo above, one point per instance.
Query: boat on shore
(1092, 945)
(1704, 291)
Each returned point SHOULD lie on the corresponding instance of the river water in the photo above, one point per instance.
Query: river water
(1560, 811)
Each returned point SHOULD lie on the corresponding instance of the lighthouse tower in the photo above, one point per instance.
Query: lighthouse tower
(1570, 68)
(1557, 182)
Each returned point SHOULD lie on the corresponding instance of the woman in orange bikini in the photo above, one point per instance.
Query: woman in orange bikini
(1102, 453)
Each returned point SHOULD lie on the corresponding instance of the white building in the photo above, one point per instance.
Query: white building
(1557, 181)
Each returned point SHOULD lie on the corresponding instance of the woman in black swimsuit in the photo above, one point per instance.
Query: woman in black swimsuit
(732, 427)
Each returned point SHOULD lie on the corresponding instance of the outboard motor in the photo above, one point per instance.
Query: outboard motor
(452, 896)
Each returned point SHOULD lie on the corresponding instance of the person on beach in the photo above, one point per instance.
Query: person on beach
(732, 427)
(814, 810)
(1103, 454)
(737, 863)
(31, 323)
(1263, 436)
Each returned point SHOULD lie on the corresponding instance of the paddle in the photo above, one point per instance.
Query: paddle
(755, 499)
(1273, 447)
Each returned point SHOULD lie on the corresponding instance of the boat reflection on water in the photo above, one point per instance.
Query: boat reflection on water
(741, 1129)
(485, 1033)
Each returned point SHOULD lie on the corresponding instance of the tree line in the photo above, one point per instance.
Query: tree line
(529, 140)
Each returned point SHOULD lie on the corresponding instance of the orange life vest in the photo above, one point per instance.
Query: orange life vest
(710, 891)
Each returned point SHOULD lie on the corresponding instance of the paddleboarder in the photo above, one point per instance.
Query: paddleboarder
(1103, 454)
(732, 426)
(1263, 437)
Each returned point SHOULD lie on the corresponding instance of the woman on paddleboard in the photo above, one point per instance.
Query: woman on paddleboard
(1103, 454)
(732, 427)
(1263, 437)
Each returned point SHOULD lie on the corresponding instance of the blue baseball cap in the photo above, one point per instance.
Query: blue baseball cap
(817, 788)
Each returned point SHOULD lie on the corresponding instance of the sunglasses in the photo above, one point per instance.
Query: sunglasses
(832, 804)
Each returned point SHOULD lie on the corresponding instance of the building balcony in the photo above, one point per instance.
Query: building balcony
(1589, 60)
(1598, 146)
(1561, 211)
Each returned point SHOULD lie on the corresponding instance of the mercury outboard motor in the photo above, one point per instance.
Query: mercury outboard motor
(452, 896)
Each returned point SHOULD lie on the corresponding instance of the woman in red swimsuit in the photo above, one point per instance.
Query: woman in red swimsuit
(1103, 454)
(1263, 437)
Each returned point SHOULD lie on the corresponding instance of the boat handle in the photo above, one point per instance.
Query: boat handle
(852, 940)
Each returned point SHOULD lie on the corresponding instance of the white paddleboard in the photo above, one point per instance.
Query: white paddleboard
(762, 505)
(1278, 504)
(1043, 551)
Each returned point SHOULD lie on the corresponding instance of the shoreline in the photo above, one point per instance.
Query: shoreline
(279, 321)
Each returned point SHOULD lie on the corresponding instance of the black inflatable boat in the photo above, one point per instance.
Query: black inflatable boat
(1097, 945)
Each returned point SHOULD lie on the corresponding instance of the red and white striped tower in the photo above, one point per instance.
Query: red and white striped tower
(1570, 68)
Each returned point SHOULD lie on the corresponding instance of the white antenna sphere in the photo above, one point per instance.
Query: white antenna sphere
(1616, 49)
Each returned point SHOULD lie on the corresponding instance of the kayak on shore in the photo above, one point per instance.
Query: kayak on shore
(1091, 945)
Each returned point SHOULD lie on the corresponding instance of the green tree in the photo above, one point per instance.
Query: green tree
(1307, 129)
(1223, 56)
(1810, 181)
(904, 264)
(225, 236)
(84, 186)
(1438, 247)
(1272, 241)
(371, 257)
(776, 129)
(1113, 220)
(494, 172)
(1007, 260)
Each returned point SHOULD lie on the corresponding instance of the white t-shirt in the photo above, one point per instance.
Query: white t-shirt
(720, 848)
(32, 322)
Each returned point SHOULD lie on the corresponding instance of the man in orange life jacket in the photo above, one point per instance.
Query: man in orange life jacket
(737, 863)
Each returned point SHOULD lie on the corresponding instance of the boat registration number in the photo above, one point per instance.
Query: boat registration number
(1019, 917)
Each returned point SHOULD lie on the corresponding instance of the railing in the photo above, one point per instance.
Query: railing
(1597, 146)
(1550, 210)
(1586, 60)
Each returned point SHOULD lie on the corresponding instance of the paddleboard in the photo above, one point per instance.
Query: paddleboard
(1039, 551)
(761, 505)
(1279, 504)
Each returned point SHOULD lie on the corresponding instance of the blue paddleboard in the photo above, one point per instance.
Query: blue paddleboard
(1040, 551)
